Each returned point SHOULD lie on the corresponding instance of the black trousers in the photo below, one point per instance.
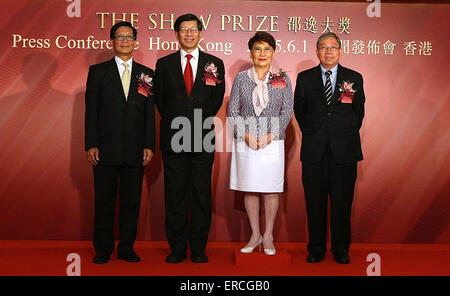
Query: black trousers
(187, 189)
(320, 180)
(107, 181)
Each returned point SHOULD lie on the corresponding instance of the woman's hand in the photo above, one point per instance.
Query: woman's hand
(265, 140)
(251, 141)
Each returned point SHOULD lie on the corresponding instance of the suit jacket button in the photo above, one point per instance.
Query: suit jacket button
(329, 113)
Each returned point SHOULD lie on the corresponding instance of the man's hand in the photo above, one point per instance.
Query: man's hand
(92, 155)
(148, 155)
(251, 141)
(265, 140)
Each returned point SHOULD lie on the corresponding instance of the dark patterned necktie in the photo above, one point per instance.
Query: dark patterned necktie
(328, 88)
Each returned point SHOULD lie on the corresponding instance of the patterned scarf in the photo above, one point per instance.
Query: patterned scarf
(260, 95)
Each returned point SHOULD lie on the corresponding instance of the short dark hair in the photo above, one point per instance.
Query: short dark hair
(114, 28)
(262, 37)
(186, 18)
(328, 35)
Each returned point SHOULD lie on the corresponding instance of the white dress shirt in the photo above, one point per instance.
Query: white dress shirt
(333, 76)
(194, 60)
(121, 67)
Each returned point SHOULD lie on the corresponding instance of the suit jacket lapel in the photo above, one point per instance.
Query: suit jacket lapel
(318, 81)
(114, 75)
(177, 72)
(133, 81)
(339, 79)
(200, 68)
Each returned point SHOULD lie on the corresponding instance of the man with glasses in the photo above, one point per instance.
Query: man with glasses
(190, 84)
(119, 140)
(329, 108)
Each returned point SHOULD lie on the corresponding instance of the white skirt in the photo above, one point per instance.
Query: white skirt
(259, 170)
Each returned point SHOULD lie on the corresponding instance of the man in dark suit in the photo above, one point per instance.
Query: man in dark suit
(189, 89)
(330, 113)
(119, 140)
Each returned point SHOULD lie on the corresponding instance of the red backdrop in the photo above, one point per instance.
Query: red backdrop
(402, 191)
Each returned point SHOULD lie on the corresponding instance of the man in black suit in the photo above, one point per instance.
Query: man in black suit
(119, 140)
(329, 118)
(189, 89)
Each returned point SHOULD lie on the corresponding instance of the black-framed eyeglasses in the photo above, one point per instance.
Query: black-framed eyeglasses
(122, 38)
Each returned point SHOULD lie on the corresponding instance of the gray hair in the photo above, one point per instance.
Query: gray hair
(328, 35)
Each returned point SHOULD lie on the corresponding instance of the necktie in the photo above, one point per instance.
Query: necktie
(328, 88)
(188, 75)
(126, 80)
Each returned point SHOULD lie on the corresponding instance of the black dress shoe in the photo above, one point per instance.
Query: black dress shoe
(173, 258)
(344, 259)
(315, 258)
(201, 258)
(130, 257)
(101, 258)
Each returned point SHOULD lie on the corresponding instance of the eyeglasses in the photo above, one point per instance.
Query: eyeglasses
(260, 50)
(122, 38)
(326, 48)
(193, 30)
